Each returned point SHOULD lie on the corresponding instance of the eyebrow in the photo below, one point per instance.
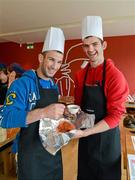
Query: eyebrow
(52, 58)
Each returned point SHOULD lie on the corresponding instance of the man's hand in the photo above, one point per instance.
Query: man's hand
(101, 126)
(81, 133)
(53, 111)
(11, 78)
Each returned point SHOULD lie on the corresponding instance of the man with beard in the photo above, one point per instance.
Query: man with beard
(30, 98)
(101, 89)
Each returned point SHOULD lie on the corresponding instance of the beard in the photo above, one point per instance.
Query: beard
(45, 73)
(43, 70)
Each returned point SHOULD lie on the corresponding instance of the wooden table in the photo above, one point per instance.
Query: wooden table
(8, 140)
(129, 147)
(130, 105)
(6, 155)
(129, 144)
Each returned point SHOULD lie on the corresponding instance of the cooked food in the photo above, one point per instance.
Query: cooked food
(129, 121)
(65, 126)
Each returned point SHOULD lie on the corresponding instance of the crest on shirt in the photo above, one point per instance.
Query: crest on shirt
(9, 98)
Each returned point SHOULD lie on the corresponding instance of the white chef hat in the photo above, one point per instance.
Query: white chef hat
(54, 40)
(92, 26)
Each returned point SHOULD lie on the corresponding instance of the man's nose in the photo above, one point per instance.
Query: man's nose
(90, 48)
(54, 65)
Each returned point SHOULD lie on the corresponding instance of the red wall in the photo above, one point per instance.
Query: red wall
(121, 49)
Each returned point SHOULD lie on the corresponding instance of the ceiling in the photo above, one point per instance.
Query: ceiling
(26, 21)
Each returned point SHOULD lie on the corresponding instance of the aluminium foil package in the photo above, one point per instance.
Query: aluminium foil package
(52, 140)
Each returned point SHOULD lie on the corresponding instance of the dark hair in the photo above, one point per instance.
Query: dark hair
(45, 52)
(3, 68)
(17, 68)
(96, 37)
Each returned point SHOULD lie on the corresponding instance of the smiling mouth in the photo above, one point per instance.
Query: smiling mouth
(92, 55)
(52, 72)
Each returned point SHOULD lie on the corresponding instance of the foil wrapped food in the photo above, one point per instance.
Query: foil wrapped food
(54, 134)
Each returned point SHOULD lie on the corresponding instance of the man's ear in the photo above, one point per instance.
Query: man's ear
(104, 45)
(40, 58)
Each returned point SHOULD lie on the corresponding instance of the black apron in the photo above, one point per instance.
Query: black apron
(34, 162)
(99, 156)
